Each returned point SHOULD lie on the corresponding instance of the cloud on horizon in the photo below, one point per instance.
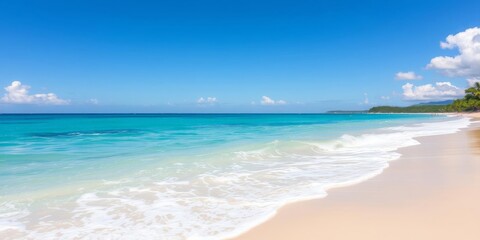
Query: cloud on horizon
(439, 91)
(17, 93)
(407, 76)
(207, 100)
(467, 62)
(268, 101)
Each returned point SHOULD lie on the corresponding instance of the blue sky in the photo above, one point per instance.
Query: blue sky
(229, 56)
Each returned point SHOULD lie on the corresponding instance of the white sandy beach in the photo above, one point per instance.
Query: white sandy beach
(431, 192)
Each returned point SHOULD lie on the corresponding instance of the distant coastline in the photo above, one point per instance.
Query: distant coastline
(411, 109)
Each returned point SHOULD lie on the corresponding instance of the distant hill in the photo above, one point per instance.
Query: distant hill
(410, 109)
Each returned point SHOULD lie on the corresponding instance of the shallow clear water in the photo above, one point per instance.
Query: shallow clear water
(184, 176)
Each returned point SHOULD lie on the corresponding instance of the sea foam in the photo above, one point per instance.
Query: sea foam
(217, 199)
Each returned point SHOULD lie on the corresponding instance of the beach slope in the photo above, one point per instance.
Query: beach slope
(432, 192)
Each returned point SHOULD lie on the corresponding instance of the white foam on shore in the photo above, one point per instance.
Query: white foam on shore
(217, 199)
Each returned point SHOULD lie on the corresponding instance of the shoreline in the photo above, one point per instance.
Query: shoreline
(300, 219)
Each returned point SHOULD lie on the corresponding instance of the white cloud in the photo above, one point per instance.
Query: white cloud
(467, 62)
(439, 91)
(268, 101)
(16, 93)
(407, 76)
(207, 100)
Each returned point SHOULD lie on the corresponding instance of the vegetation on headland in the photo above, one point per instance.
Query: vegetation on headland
(410, 109)
(469, 103)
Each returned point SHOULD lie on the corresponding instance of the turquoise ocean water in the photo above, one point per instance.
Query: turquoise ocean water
(184, 176)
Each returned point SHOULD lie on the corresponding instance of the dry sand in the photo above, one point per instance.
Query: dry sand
(432, 192)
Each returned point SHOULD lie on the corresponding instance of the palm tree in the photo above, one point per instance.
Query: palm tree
(473, 92)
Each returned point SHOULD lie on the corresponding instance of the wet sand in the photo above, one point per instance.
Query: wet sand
(431, 192)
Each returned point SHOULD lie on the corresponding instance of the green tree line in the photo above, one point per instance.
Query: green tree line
(410, 109)
(469, 103)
